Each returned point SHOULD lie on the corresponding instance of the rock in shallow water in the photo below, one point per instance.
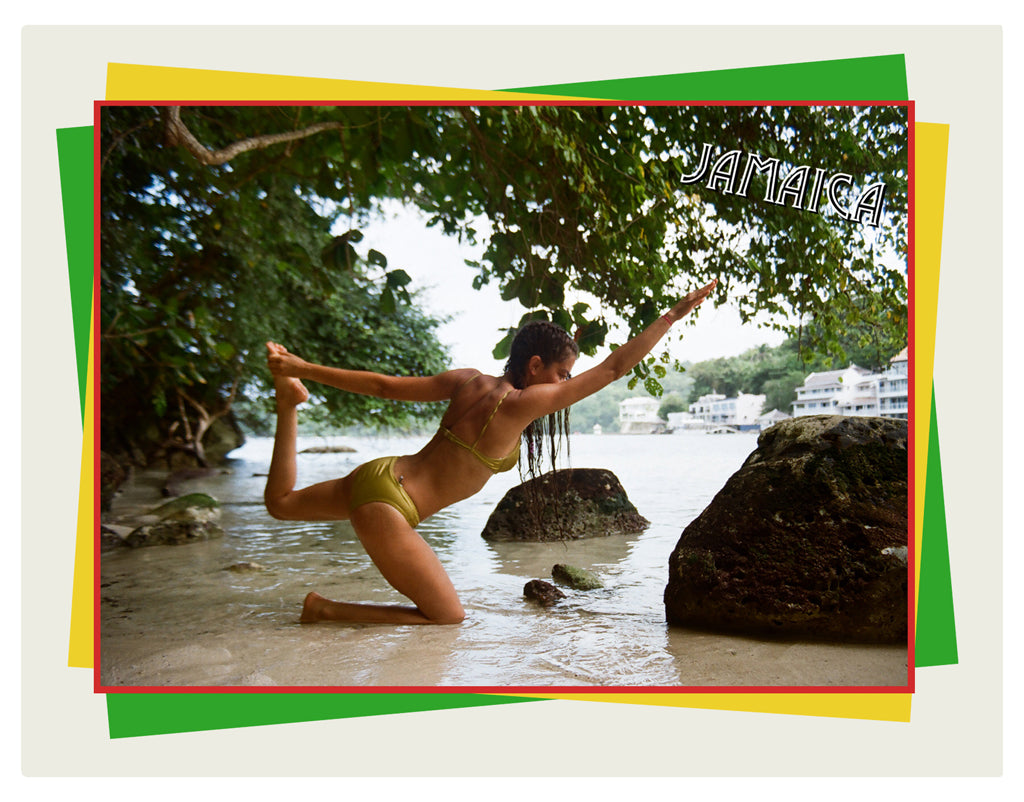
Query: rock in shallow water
(542, 592)
(807, 539)
(173, 533)
(184, 520)
(569, 504)
(245, 568)
(575, 578)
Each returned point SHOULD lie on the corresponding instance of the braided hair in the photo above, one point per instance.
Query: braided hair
(552, 344)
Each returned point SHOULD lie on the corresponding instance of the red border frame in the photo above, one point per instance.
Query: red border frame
(556, 691)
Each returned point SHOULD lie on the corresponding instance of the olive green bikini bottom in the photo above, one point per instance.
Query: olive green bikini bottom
(375, 481)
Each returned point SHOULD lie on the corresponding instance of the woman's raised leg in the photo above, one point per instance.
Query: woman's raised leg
(407, 563)
(325, 501)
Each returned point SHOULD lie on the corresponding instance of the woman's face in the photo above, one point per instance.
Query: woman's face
(554, 372)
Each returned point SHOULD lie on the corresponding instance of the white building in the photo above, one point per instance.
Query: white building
(855, 391)
(859, 397)
(640, 416)
(706, 408)
(821, 393)
(742, 411)
(683, 421)
(893, 389)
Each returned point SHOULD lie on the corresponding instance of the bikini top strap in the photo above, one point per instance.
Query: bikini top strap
(467, 381)
(490, 418)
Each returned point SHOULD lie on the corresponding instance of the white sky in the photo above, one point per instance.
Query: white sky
(436, 263)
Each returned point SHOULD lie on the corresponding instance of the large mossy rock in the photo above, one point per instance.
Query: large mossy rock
(569, 504)
(808, 539)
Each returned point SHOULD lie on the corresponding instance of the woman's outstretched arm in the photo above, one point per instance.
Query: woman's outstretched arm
(540, 400)
(364, 382)
(624, 359)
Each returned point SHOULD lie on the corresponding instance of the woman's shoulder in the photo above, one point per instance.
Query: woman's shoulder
(462, 377)
(474, 387)
(465, 375)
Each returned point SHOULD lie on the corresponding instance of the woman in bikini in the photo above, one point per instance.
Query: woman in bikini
(385, 499)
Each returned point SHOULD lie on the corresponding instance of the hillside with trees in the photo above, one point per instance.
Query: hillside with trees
(775, 372)
(602, 408)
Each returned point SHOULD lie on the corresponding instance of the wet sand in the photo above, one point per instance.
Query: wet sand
(334, 656)
(176, 616)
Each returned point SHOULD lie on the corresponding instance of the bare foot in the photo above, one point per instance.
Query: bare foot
(311, 608)
(290, 392)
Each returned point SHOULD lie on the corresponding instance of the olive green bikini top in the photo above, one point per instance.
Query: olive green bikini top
(493, 464)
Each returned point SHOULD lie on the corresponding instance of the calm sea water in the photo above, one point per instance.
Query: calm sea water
(175, 616)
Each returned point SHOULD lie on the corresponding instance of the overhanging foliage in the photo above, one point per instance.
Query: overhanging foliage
(625, 204)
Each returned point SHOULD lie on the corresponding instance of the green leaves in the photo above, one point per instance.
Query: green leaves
(591, 336)
(199, 267)
(504, 345)
(339, 254)
(395, 283)
(375, 257)
(575, 200)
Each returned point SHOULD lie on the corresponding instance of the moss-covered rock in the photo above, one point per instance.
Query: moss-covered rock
(575, 578)
(183, 520)
(193, 506)
(808, 538)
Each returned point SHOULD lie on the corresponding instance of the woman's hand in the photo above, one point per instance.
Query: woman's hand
(690, 301)
(282, 363)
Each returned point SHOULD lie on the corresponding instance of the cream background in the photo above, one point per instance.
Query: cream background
(954, 74)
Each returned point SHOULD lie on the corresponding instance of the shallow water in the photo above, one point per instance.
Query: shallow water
(173, 615)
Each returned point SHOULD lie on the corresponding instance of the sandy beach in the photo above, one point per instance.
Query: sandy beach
(324, 656)
(180, 616)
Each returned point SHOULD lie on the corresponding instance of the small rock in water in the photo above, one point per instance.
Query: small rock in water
(186, 519)
(173, 533)
(576, 578)
(542, 592)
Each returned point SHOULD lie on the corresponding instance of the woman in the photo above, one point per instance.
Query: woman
(479, 435)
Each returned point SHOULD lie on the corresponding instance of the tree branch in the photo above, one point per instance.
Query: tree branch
(177, 133)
